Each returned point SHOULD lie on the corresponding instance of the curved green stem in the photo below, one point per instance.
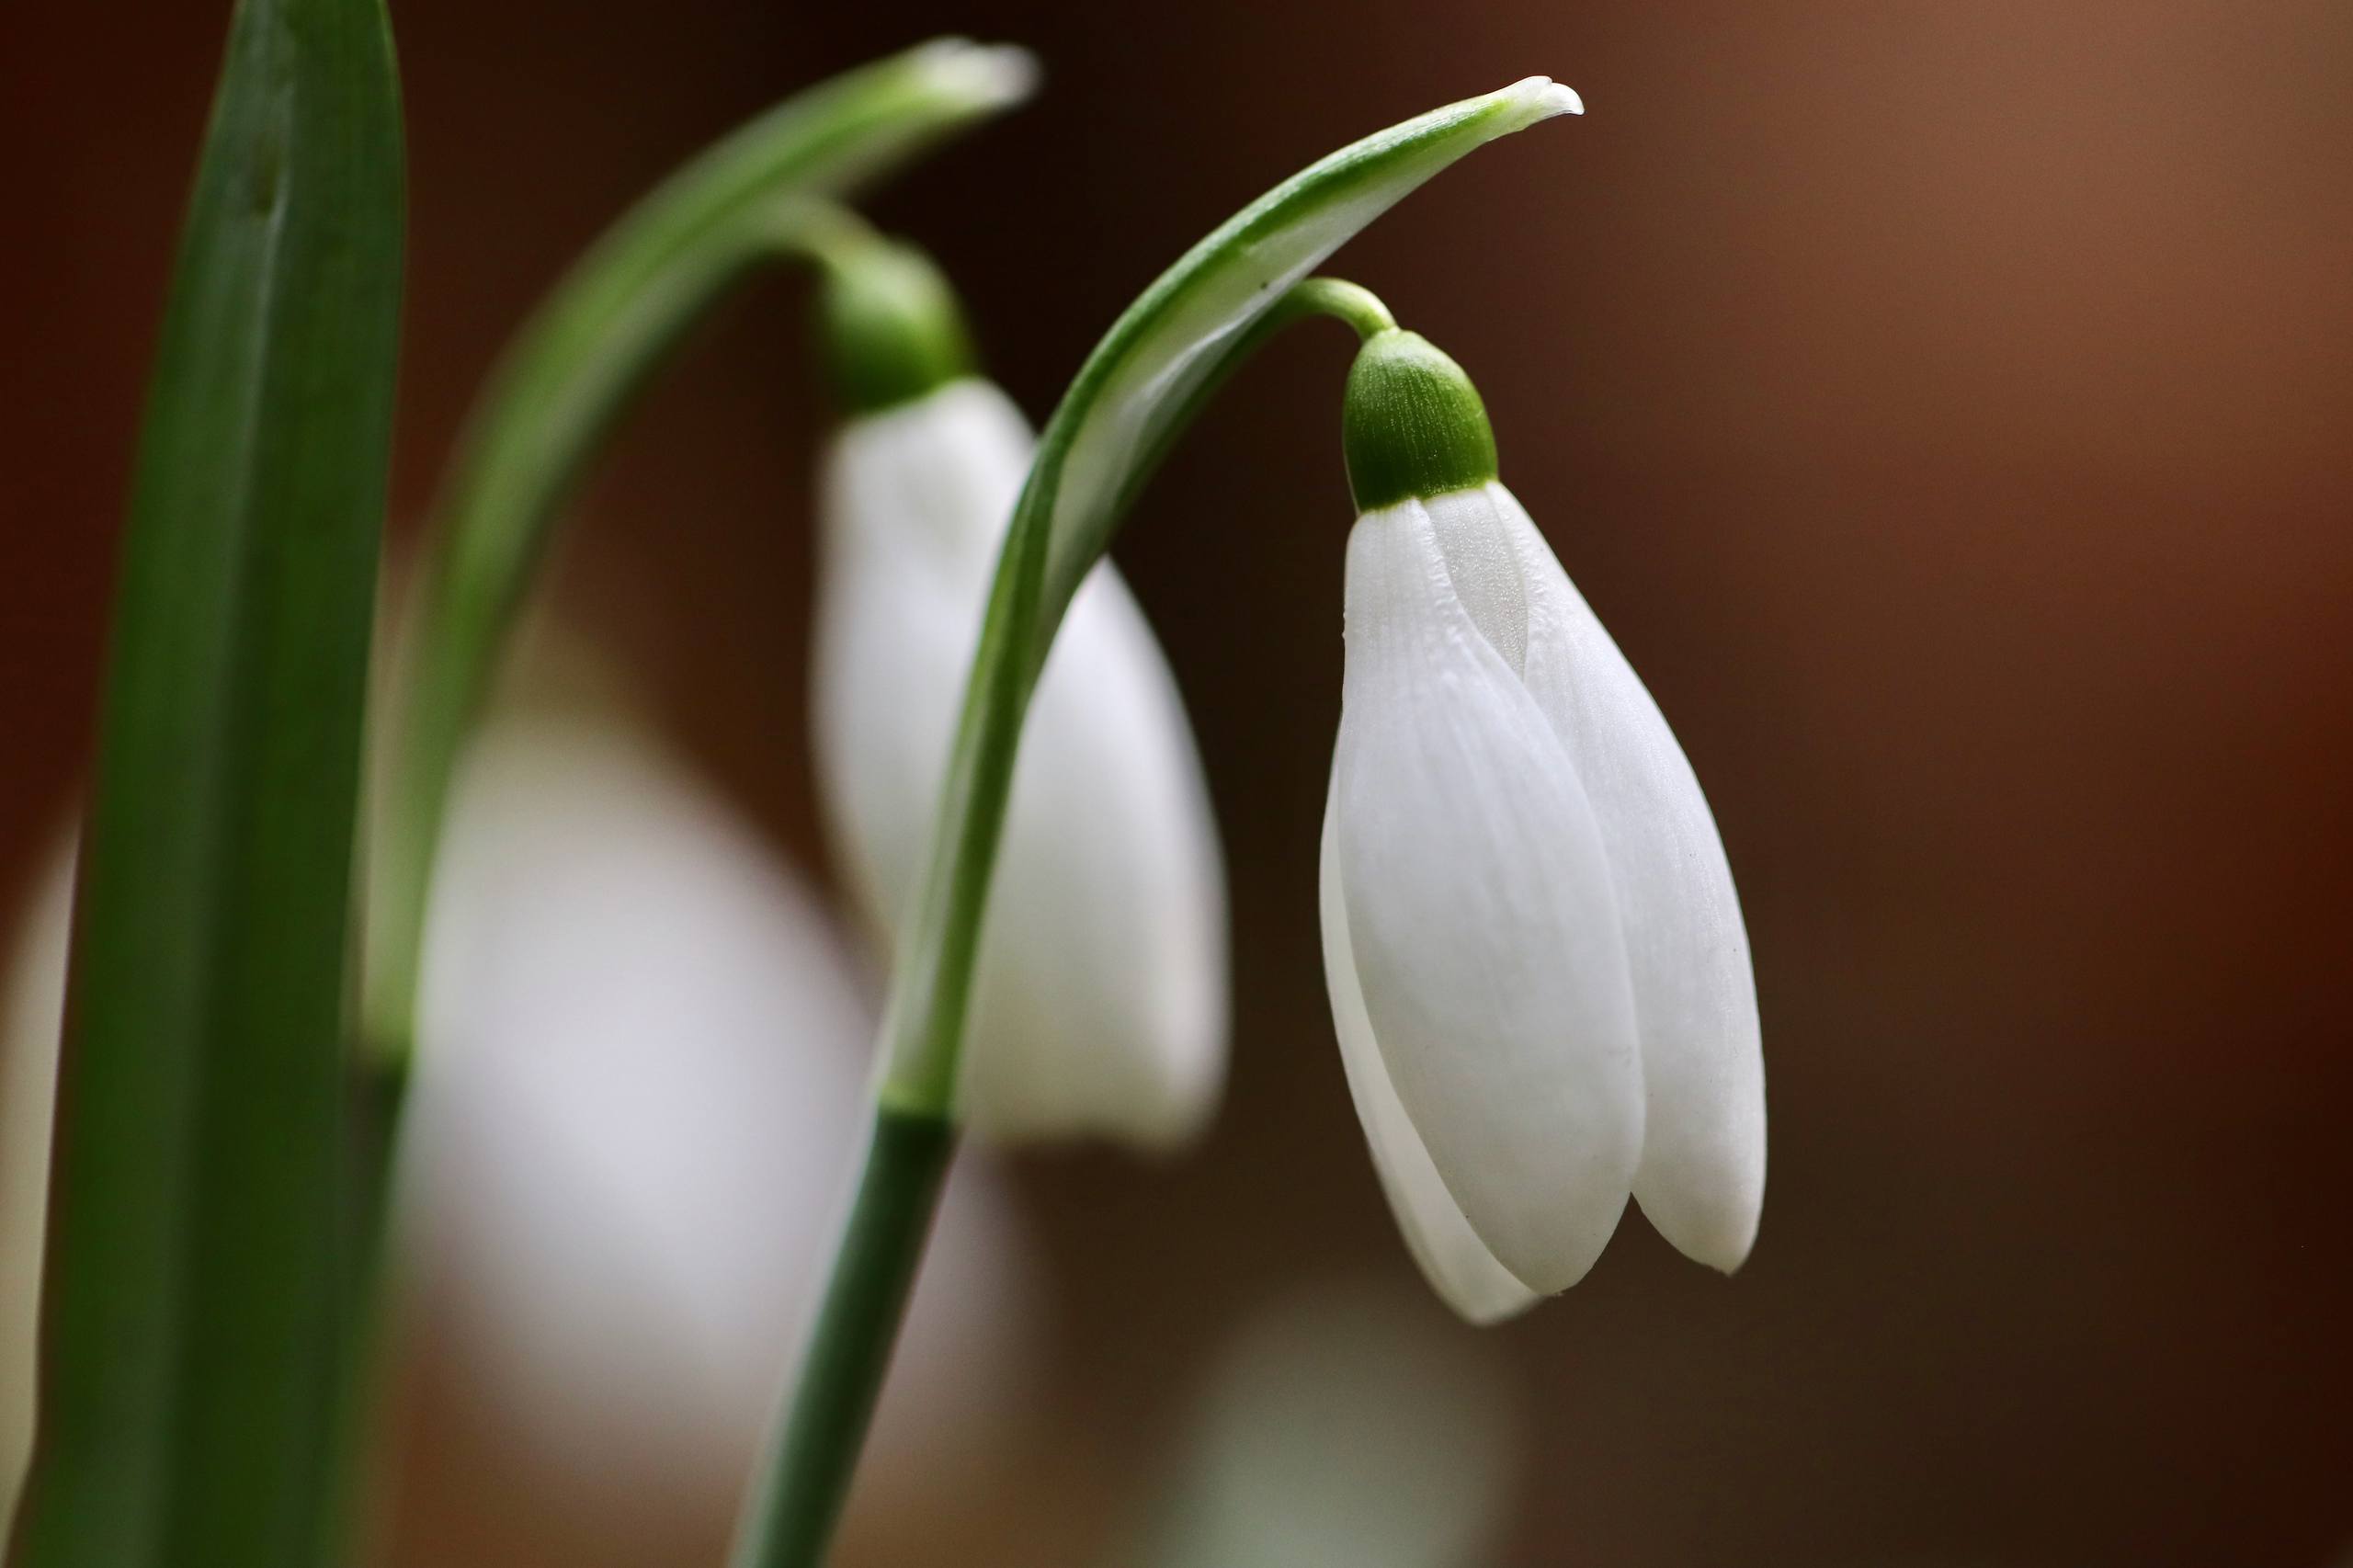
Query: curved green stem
(1352, 304)
(791, 1516)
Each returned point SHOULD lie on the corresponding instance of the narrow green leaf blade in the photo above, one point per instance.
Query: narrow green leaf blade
(192, 1320)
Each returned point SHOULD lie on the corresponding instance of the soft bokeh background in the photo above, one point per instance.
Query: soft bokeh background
(1951, 409)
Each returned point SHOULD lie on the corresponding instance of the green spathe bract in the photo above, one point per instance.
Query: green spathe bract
(193, 1315)
(562, 384)
(1413, 425)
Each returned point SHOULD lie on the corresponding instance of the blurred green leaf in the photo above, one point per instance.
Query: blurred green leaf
(192, 1312)
(568, 375)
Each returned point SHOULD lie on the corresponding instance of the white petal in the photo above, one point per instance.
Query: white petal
(1101, 998)
(1102, 991)
(1452, 1258)
(1483, 927)
(1702, 1177)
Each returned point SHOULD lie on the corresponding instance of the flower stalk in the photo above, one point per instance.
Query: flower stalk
(568, 377)
(1099, 1002)
(1539, 972)
(793, 1513)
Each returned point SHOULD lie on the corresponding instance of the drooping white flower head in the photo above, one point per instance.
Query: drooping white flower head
(1539, 972)
(642, 1053)
(1100, 999)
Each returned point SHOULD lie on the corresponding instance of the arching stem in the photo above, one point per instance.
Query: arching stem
(1136, 393)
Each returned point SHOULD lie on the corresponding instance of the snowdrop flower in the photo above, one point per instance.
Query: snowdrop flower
(1100, 999)
(1538, 973)
(641, 1055)
(33, 1016)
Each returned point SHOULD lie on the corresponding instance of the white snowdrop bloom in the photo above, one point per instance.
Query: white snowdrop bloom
(640, 1075)
(32, 1015)
(1101, 997)
(1539, 972)
(639, 1083)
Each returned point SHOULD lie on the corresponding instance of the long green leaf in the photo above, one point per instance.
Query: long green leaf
(192, 1318)
(564, 380)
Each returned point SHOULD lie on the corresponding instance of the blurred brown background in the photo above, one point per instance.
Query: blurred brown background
(1951, 409)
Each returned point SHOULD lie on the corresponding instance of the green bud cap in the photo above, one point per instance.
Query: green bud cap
(892, 328)
(1413, 425)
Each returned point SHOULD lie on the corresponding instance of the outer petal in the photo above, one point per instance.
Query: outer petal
(1483, 927)
(1702, 1177)
(1455, 1261)
(1101, 1001)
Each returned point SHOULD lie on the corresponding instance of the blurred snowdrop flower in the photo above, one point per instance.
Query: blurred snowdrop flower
(1100, 1001)
(1343, 1427)
(642, 1058)
(1539, 972)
